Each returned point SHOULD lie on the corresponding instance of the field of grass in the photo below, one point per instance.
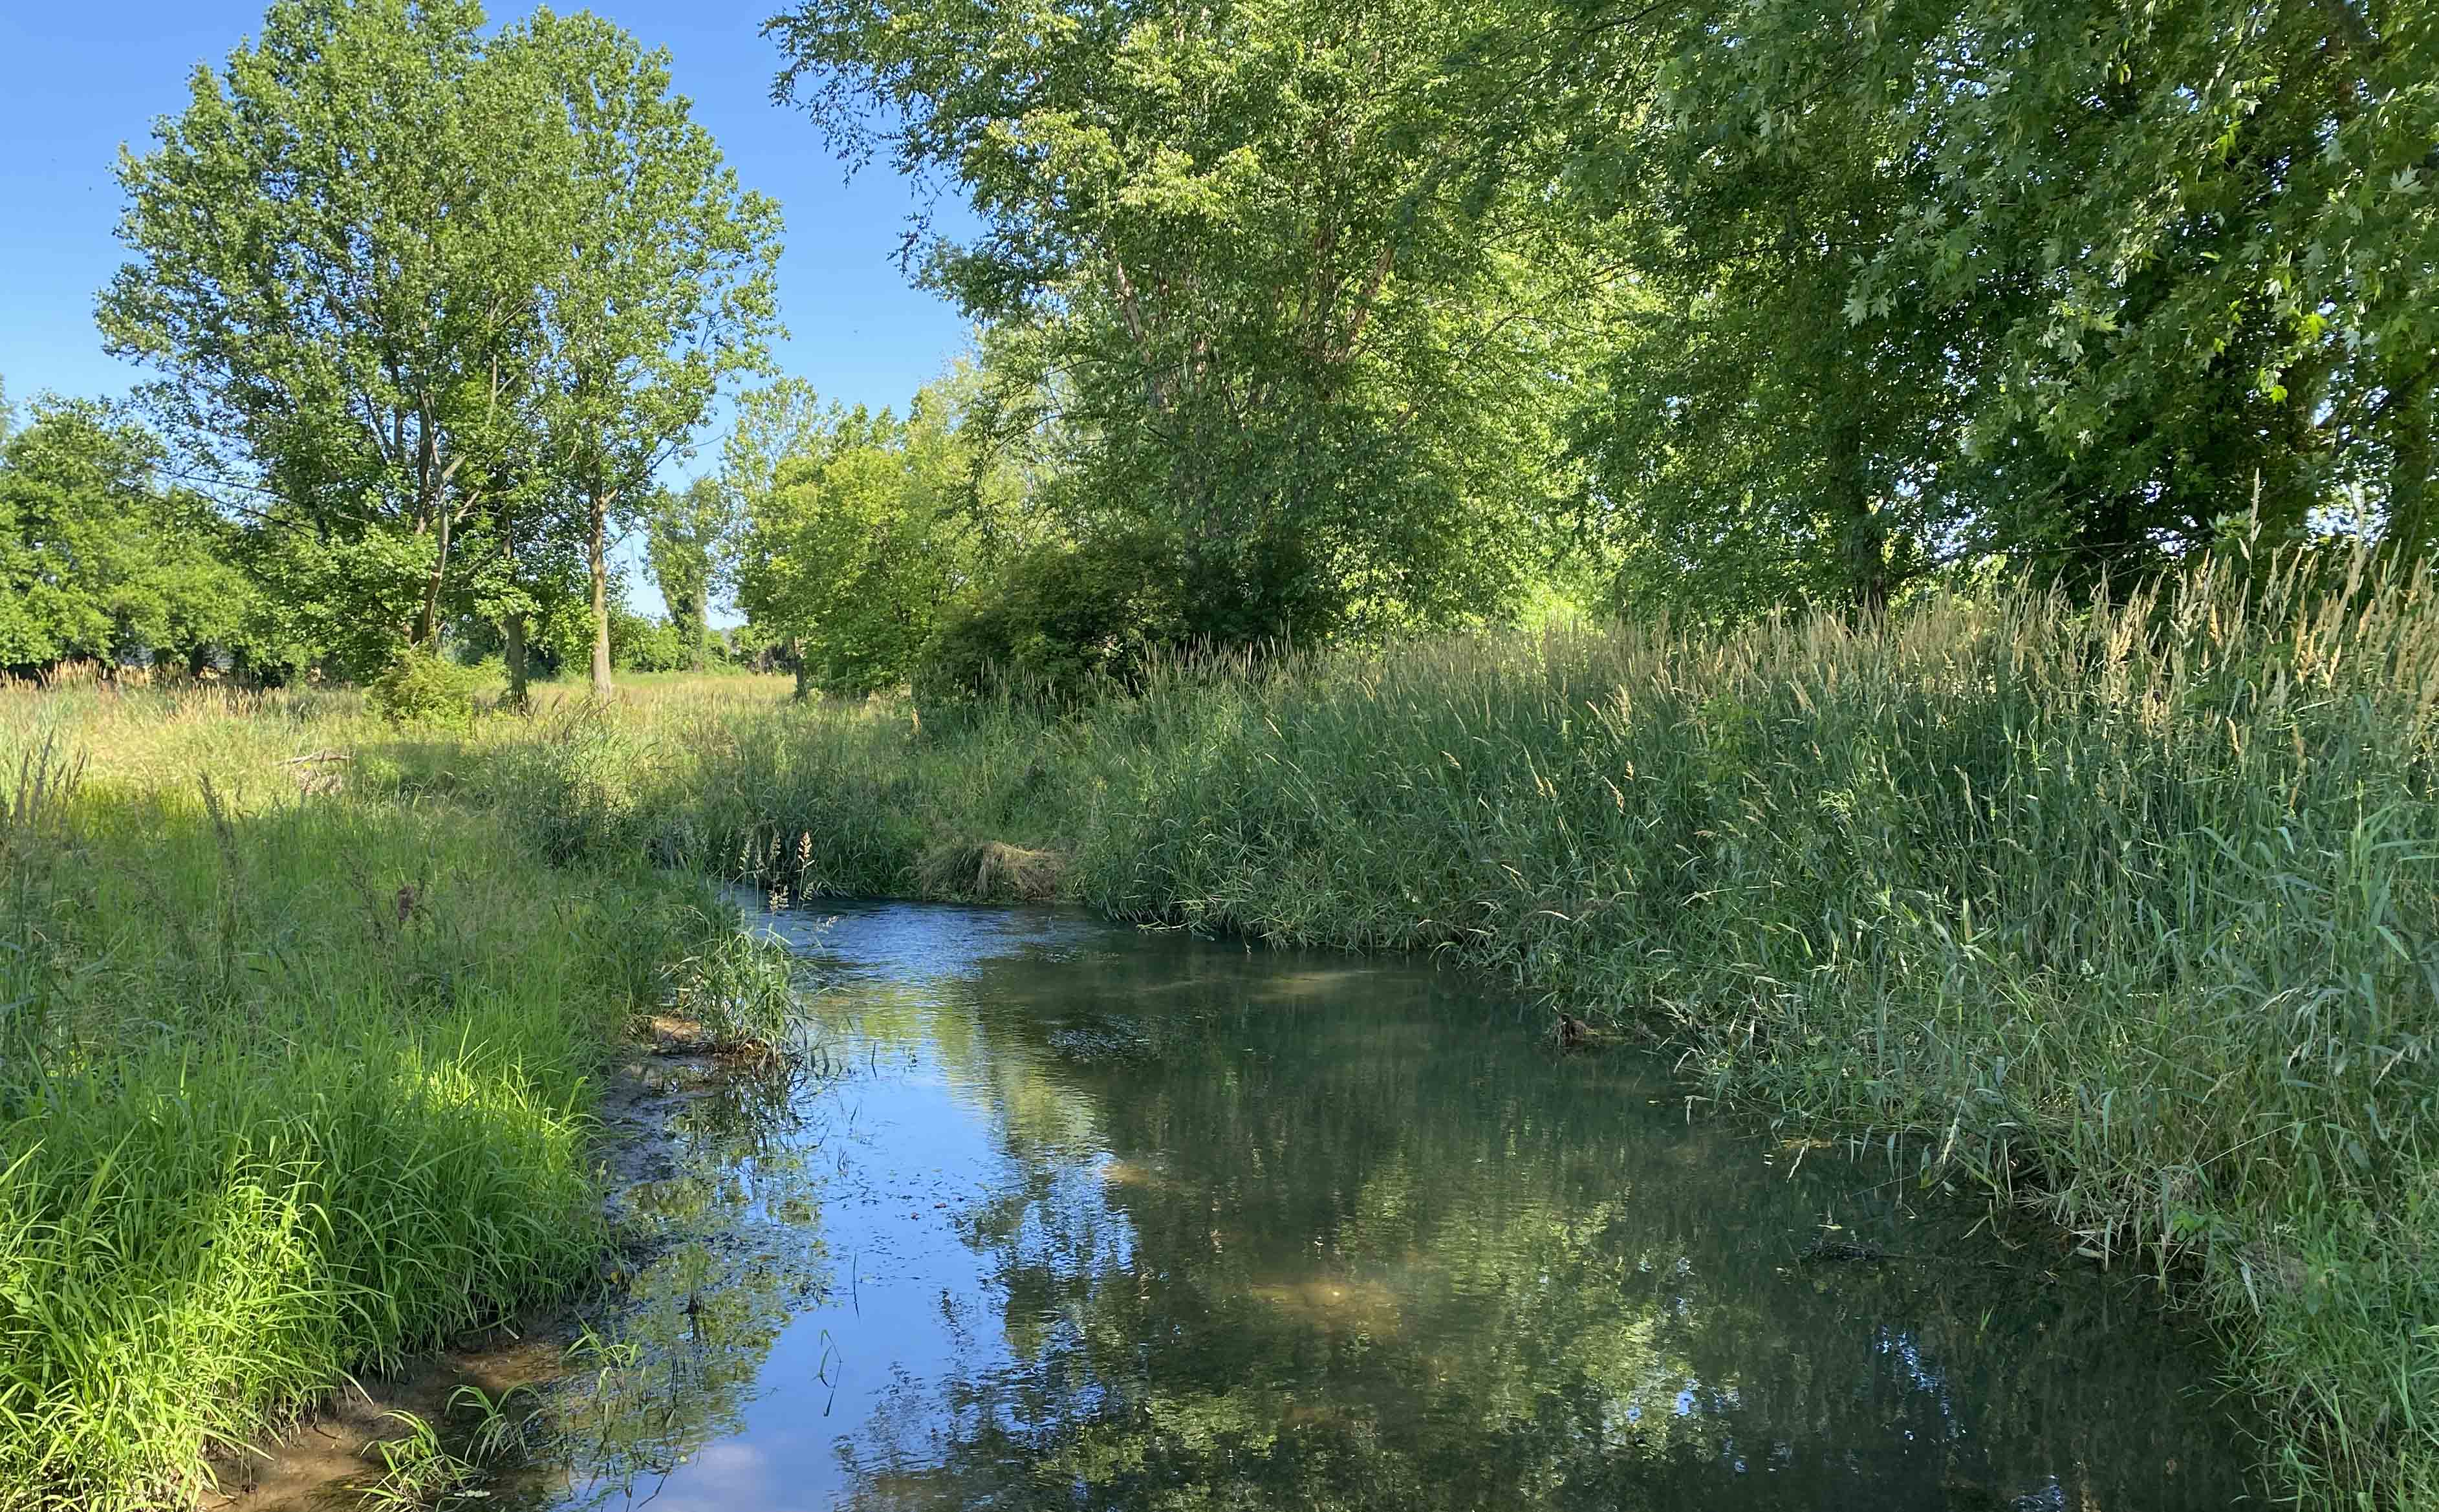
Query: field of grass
(2129, 917)
(294, 1079)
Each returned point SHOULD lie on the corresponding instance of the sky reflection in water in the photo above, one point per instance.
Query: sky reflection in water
(1098, 1218)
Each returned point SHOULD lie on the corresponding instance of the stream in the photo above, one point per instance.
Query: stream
(1084, 1217)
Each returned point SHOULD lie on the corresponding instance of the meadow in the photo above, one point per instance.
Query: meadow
(2124, 918)
(295, 1080)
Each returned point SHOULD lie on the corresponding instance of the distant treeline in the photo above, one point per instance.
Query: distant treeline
(1300, 319)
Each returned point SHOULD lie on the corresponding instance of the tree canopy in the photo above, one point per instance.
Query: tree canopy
(417, 289)
(1295, 319)
(100, 562)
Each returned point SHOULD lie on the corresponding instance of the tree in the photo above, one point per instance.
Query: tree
(98, 561)
(1755, 440)
(1224, 254)
(684, 533)
(331, 266)
(851, 553)
(660, 282)
(2166, 262)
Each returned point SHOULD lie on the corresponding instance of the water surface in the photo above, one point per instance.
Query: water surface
(1094, 1218)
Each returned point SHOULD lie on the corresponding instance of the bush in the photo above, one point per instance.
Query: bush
(1059, 624)
(421, 687)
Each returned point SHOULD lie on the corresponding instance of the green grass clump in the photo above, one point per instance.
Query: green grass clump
(2129, 914)
(294, 1081)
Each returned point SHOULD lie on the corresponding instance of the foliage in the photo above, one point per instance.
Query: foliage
(1058, 623)
(2060, 285)
(516, 273)
(643, 644)
(337, 354)
(852, 546)
(740, 987)
(684, 531)
(424, 687)
(98, 561)
(1225, 261)
(660, 284)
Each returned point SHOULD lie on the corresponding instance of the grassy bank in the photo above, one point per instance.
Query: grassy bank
(295, 1079)
(2131, 917)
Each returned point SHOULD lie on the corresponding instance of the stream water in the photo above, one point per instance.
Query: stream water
(1084, 1217)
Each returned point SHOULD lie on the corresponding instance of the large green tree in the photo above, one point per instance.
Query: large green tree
(332, 266)
(1755, 437)
(660, 281)
(1227, 256)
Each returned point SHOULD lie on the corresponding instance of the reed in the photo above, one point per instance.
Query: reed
(2125, 915)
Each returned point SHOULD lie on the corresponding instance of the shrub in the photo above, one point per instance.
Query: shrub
(421, 687)
(1059, 624)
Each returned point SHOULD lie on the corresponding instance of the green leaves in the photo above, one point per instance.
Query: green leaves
(421, 287)
(849, 543)
(658, 281)
(97, 561)
(683, 532)
(2079, 282)
(317, 267)
(1227, 249)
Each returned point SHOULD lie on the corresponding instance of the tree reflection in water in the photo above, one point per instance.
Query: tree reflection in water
(729, 1246)
(1284, 1233)
(1146, 1222)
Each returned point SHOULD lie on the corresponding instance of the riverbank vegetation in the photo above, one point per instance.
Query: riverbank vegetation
(1889, 551)
(2118, 915)
(294, 1083)
(2121, 914)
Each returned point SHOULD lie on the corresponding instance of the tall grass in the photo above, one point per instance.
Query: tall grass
(2128, 915)
(294, 1081)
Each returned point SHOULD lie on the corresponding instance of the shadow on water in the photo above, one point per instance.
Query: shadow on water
(1088, 1217)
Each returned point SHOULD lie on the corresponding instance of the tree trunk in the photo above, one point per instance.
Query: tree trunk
(804, 668)
(601, 597)
(2410, 526)
(1864, 535)
(512, 652)
(428, 626)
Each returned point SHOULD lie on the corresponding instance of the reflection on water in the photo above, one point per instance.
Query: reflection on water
(1094, 1218)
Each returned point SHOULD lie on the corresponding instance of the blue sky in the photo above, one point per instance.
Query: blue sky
(78, 79)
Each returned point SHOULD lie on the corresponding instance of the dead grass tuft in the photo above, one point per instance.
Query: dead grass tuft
(991, 870)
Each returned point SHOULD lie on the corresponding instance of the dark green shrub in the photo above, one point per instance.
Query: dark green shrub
(1057, 624)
